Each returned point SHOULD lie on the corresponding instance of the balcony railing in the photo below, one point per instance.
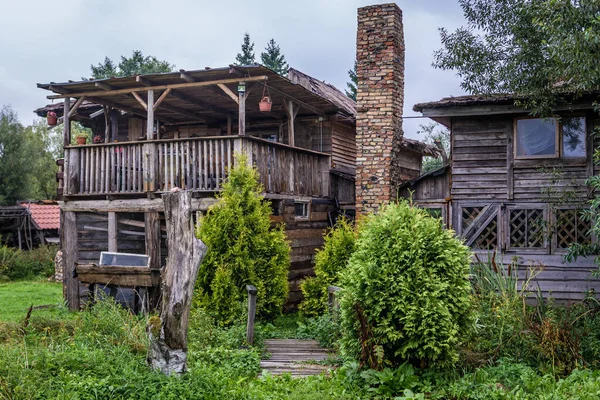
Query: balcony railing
(199, 164)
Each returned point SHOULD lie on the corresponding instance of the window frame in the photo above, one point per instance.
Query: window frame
(558, 135)
(307, 205)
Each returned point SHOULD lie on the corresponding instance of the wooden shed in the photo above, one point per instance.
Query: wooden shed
(516, 184)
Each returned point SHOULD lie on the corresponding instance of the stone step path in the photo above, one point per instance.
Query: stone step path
(293, 356)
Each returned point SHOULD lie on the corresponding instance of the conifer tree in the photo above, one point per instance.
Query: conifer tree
(242, 250)
(273, 59)
(246, 57)
(353, 84)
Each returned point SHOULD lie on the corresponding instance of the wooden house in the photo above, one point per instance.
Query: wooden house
(152, 133)
(515, 184)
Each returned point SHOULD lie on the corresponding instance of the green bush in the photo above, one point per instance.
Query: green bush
(242, 250)
(406, 293)
(329, 262)
(18, 264)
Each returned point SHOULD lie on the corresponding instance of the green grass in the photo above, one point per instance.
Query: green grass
(17, 297)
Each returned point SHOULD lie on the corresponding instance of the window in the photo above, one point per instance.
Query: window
(549, 138)
(301, 209)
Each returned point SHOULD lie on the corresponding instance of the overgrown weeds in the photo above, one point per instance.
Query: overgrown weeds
(18, 264)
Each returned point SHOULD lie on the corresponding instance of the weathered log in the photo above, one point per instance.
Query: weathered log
(168, 334)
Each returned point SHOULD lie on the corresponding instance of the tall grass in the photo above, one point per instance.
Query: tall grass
(16, 264)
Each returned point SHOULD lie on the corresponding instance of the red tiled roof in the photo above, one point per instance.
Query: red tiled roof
(45, 216)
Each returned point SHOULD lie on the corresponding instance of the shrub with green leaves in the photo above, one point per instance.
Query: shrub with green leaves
(406, 294)
(242, 250)
(329, 262)
(18, 264)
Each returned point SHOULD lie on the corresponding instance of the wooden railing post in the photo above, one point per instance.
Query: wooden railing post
(251, 313)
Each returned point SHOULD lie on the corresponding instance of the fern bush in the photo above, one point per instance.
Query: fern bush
(329, 262)
(406, 294)
(242, 250)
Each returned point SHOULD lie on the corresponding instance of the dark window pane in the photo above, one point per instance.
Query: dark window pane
(301, 210)
(573, 137)
(536, 137)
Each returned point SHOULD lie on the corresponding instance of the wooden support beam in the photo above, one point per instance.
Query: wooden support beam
(242, 115)
(73, 110)
(112, 232)
(150, 116)
(161, 98)
(229, 92)
(291, 111)
(159, 87)
(66, 122)
(104, 86)
(140, 100)
(71, 283)
(168, 334)
(229, 125)
(153, 235)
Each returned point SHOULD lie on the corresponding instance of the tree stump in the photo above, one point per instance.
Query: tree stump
(168, 334)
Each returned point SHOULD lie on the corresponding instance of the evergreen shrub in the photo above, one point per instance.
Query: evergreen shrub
(242, 250)
(329, 262)
(406, 294)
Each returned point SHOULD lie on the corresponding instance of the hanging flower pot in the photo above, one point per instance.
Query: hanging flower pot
(51, 118)
(265, 104)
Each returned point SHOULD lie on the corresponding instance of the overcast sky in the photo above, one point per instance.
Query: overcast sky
(43, 41)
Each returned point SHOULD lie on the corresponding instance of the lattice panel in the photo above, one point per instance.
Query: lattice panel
(468, 216)
(570, 228)
(527, 228)
(488, 239)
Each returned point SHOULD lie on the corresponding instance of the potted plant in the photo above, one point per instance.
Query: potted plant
(51, 118)
(81, 139)
(97, 139)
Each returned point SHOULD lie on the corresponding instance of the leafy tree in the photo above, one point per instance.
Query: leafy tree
(273, 59)
(243, 250)
(330, 262)
(137, 64)
(434, 132)
(45, 143)
(406, 291)
(535, 49)
(246, 57)
(353, 84)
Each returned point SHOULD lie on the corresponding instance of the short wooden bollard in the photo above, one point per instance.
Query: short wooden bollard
(251, 313)
(332, 300)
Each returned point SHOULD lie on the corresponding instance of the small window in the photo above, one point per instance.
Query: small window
(573, 143)
(536, 137)
(549, 138)
(275, 207)
(301, 209)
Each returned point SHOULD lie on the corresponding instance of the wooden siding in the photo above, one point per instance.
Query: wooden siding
(343, 151)
(434, 186)
(479, 158)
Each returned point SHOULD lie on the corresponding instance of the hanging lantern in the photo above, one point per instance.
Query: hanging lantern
(51, 118)
(265, 104)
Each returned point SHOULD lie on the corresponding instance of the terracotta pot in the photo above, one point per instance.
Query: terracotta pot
(81, 140)
(51, 118)
(265, 104)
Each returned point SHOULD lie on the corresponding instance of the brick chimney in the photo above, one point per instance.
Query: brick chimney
(380, 98)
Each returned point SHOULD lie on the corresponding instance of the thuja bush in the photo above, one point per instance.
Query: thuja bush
(329, 262)
(406, 294)
(243, 250)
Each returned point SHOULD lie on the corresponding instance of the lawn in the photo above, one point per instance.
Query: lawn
(17, 297)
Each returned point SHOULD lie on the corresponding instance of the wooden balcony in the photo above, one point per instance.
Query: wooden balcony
(199, 164)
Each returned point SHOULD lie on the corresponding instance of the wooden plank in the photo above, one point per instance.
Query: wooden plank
(112, 232)
(117, 279)
(141, 101)
(161, 98)
(158, 87)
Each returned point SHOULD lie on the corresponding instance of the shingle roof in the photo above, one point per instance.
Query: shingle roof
(44, 216)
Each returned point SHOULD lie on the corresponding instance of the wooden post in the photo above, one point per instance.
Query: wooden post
(67, 123)
(71, 284)
(228, 124)
(152, 231)
(168, 334)
(149, 149)
(291, 111)
(332, 300)
(112, 232)
(251, 313)
(242, 114)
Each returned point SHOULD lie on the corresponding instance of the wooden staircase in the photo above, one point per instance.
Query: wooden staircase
(296, 357)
